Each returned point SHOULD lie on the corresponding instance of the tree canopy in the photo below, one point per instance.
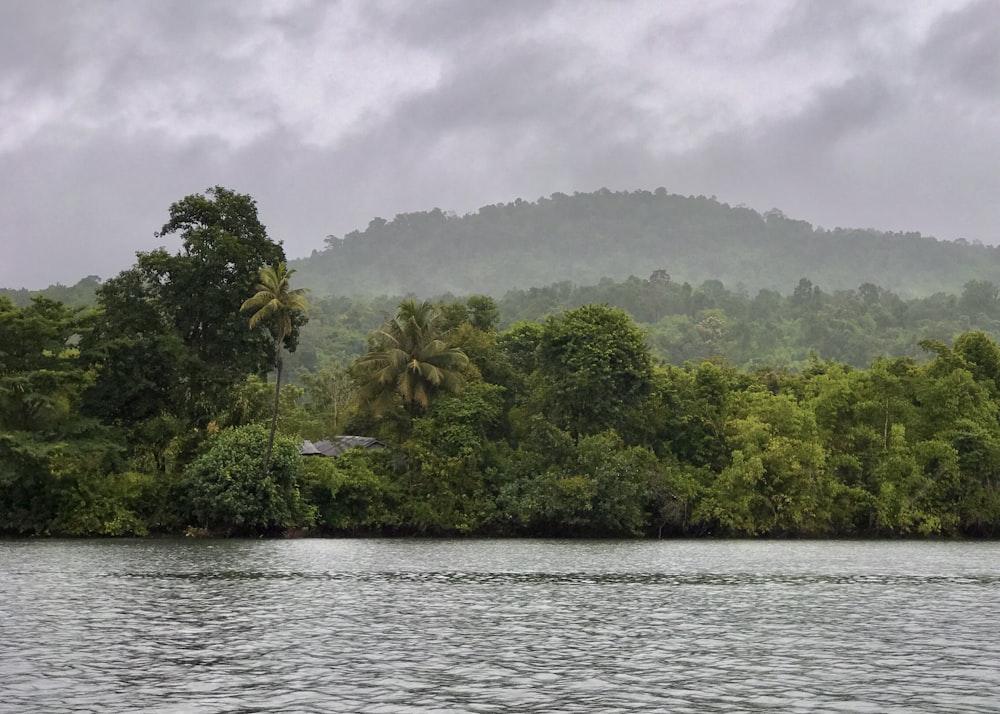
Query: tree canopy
(181, 311)
(637, 407)
(585, 237)
(281, 309)
(409, 359)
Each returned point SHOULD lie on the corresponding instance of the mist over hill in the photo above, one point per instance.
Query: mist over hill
(588, 236)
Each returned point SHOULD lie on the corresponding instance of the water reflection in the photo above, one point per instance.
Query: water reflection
(415, 626)
(482, 578)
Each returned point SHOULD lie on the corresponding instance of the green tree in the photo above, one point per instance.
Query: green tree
(776, 483)
(982, 357)
(47, 448)
(141, 361)
(409, 359)
(518, 350)
(596, 486)
(450, 453)
(354, 493)
(171, 338)
(228, 494)
(593, 367)
(979, 298)
(279, 308)
(483, 312)
(329, 396)
(902, 496)
(41, 372)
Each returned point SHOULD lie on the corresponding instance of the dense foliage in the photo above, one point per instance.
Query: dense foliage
(692, 323)
(229, 493)
(644, 407)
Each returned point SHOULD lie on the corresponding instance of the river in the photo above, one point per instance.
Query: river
(498, 625)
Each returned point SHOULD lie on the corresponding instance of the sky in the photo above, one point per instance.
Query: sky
(871, 114)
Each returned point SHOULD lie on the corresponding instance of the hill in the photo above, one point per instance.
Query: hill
(83, 294)
(588, 236)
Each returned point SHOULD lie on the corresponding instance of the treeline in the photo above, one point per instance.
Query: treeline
(853, 326)
(692, 323)
(83, 293)
(564, 428)
(568, 427)
(587, 236)
(682, 322)
(150, 413)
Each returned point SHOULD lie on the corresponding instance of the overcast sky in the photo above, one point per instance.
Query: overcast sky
(880, 114)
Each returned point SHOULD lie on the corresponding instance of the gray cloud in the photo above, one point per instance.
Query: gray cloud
(847, 113)
(963, 51)
(469, 25)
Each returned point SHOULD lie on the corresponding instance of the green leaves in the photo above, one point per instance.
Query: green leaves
(410, 359)
(598, 487)
(183, 311)
(777, 482)
(593, 367)
(275, 304)
(230, 495)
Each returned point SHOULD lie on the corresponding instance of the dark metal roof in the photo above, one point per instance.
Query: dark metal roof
(338, 445)
(308, 449)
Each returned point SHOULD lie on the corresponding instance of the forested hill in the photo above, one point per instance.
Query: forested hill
(83, 293)
(589, 236)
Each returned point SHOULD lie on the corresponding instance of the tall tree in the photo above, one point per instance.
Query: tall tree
(409, 358)
(45, 444)
(279, 308)
(593, 368)
(180, 313)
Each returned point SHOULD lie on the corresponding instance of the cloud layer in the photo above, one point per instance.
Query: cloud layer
(848, 113)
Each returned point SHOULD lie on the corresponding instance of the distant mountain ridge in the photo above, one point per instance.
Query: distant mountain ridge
(605, 234)
(82, 294)
(586, 237)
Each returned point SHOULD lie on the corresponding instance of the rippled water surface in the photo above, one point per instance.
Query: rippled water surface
(495, 626)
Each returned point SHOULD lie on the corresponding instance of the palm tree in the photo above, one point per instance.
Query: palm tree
(275, 306)
(409, 358)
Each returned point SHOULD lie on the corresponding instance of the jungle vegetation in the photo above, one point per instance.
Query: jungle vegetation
(629, 407)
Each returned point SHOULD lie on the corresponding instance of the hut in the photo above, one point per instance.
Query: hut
(339, 444)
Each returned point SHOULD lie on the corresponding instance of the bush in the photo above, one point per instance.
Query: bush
(601, 489)
(353, 492)
(106, 505)
(229, 493)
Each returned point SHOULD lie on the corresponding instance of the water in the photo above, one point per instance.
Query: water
(495, 626)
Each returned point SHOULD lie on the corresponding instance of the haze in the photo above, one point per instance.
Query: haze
(862, 114)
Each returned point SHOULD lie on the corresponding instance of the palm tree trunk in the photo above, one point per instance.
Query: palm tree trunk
(274, 414)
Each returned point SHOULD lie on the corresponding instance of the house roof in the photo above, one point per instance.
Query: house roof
(338, 445)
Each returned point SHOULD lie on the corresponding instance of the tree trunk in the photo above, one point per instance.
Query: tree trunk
(274, 415)
(885, 436)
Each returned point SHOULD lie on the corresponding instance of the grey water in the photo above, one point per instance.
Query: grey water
(498, 626)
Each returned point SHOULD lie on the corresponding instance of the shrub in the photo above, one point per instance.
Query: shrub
(229, 492)
(106, 505)
(353, 492)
